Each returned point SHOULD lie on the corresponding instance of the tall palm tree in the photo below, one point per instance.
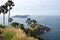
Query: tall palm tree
(4, 10)
(9, 4)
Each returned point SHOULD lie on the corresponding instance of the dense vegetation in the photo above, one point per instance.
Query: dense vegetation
(33, 30)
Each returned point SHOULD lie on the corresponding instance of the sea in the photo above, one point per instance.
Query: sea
(53, 22)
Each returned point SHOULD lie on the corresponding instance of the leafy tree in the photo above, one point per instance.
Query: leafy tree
(9, 4)
(15, 24)
(34, 22)
(31, 22)
(10, 20)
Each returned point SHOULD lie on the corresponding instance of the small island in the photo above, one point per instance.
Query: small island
(20, 16)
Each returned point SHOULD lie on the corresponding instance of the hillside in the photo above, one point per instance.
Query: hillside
(18, 34)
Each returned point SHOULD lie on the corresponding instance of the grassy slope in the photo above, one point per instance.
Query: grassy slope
(18, 34)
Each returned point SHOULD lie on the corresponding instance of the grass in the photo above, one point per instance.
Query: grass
(1, 30)
(8, 35)
(11, 33)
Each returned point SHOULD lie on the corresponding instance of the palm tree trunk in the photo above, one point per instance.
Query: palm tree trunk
(4, 19)
(8, 16)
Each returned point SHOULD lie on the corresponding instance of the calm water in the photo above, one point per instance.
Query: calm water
(51, 21)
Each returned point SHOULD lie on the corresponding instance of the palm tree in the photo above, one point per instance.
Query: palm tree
(28, 21)
(9, 4)
(4, 10)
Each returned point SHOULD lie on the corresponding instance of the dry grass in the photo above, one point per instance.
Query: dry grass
(1, 29)
(19, 34)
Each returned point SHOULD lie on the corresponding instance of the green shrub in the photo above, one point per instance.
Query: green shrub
(39, 38)
(2, 26)
(8, 35)
(21, 26)
(32, 33)
(14, 24)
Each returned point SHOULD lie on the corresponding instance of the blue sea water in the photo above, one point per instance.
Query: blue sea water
(53, 22)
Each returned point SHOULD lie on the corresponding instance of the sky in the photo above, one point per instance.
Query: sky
(35, 7)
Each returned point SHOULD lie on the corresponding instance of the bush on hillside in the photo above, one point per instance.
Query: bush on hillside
(15, 24)
(32, 33)
(22, 26)
(8, 35)
(2, 26)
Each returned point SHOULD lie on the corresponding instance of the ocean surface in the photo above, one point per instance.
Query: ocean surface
(53, 22)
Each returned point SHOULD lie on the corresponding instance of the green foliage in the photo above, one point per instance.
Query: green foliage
(2, 26)
(10, 19)
(16, 38)
(3, 9)
(34, 21)
(14, 24)
(8, 35)
(31, 30)
(9, 3)
(32, 33)
(33, 25)
(39, 38)
(31, 22)
(22, 26)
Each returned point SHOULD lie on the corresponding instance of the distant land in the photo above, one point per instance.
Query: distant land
(20, 16)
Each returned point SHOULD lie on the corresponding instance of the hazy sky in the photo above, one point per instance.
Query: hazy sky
(35, 7)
